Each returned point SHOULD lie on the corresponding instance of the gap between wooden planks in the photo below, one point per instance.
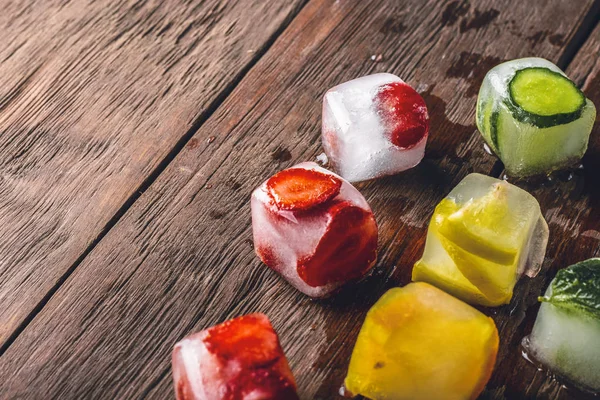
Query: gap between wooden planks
(181, 259)
(95, 100)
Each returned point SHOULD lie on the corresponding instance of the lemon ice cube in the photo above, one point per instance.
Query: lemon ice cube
(481, 238)
(418, 342)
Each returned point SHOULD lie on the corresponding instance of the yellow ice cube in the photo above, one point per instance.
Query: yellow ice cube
(481, 239)
(418, 342)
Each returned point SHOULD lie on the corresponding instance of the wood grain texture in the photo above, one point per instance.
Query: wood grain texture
(93, 96)
(181, 258)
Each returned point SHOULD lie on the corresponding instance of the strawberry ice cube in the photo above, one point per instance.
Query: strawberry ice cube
(374, 126)
(314, 228)
(240, 359)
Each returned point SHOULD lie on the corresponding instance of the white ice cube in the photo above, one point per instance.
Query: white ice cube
(374, 126)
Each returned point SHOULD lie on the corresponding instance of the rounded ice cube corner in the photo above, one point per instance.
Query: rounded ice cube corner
(374, 126)
(238, 359)
(566, 334)
(482, 237)
(533, 117)
(418, 342)
(314, 228)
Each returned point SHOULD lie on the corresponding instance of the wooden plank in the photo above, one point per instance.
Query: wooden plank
(93, 96)
(571, 205)
(181, 258)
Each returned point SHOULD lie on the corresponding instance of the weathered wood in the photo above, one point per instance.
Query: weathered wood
(181, 258)
(93, 96)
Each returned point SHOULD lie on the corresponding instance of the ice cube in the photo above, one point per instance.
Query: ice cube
(374, 126)
(418, 342)
(533, 117)
(314, 228)
(566, 333)
(238, 359)
(482, 237)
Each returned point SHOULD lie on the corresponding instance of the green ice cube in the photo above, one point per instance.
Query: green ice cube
(566, 334)
(534, 118)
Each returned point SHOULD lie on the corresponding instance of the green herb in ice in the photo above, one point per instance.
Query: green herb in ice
(577, 288)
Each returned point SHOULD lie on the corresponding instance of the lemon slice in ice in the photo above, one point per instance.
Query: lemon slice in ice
(486, 227)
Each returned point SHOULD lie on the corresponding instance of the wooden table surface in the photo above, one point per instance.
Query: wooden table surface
(133, 132)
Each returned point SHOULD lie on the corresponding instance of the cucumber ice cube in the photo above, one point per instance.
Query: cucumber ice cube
(534, 118)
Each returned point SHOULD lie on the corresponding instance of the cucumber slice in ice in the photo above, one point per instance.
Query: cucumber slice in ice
(544, 97)
(487, 119)
(577, 288)
(494, 118)
(528, 150)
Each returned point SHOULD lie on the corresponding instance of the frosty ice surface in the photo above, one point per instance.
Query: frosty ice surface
(533, 117)
(314, 228)
(239, 359)
(418, 342)
(481, 238)
(374, 126)
(566, 334)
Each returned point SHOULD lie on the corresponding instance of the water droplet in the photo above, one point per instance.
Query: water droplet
(487, 149)
(344, 392)
(563, 176)
(210, 139)
(376, 57)
(422, 87)
(514, 310)
(322, 159)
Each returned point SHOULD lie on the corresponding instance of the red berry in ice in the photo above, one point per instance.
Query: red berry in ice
(313, 228)
(347, 249)
(240, 359)
(300, 189)
(404, 114)
(244, 339)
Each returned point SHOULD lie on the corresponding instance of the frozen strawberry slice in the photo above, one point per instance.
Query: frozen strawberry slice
(404, 113)
(347, 249)
(300, 189)
(240, 359)
(317, 250)
(246, 339)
